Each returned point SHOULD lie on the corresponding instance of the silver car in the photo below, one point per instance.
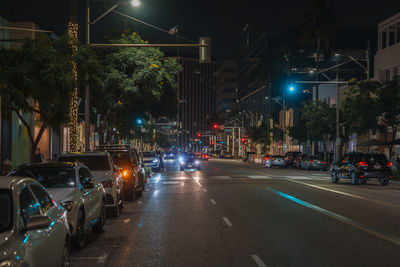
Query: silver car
(151, 159)
(104, 170)
(75, 188)
(31, 225)
(276, 161)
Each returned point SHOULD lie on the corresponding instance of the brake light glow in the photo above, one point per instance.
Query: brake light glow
(266, 158)
(324, 162)
(362, 163)
(312, 161)
(389, 164)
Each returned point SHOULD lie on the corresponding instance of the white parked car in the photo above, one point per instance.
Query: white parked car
(104, 170)
(74, 187)
(34, 229)
(151, 159)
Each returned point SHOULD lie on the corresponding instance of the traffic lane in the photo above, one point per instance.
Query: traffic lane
(379, 216)
(174, 226)
(286, 233)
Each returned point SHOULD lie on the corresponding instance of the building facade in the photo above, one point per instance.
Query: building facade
(227, 89)
(196, 101)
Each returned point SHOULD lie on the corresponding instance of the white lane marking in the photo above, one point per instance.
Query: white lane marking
(347, 194)
(124, 221)
(205, 190)
(100, 259)
(226, 220)
(221, 177)
(299, 177)
(171, 182)
(258, 177)
(258, 261)
(213, 201)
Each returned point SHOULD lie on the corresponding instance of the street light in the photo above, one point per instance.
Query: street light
(139, 121)
(135, 3)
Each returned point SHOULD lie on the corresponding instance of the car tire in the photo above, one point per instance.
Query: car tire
(79, 238)
(354, 178)
(334, 178)
(384, 181)
(65, 262)
(101, 224)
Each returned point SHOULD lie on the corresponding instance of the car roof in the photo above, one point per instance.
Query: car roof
(7, 182)
(85, 154)
(49, 165)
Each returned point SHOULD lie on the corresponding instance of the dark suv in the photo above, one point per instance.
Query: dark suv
(126, 158)
(292, 158)
(360, 167)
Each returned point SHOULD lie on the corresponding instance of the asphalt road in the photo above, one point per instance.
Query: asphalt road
(240, 214)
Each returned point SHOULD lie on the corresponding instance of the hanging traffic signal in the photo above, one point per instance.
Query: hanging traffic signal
(215, 126)
(243, 140)
(198, 134)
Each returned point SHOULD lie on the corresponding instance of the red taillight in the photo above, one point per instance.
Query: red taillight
(311, 161)
(389, 164)
(362, 176)
(207, 156)
(324, 162)
(266, 158)
(362, 163)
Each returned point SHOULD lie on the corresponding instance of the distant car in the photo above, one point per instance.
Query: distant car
(133, 174)
(170, 158)
(187, 160)
(74, 187)
(276, 161)
(314, 163)
(226, 155)
(292, 157)
(33, 228)
(360, 167)
(205, 156)
(104, 170)
(151, 159)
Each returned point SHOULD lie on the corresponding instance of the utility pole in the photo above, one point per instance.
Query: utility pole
(87, 88)
(337, 147)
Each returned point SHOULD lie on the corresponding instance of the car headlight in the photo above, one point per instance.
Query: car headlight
(107, 183)
(155, 160)
(68, 205)
(181, 160)
(197, 162)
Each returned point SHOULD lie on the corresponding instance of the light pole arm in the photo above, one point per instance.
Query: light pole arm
(104, 14)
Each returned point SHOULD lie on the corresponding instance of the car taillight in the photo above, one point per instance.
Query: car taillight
(312, 161)
(324, 162)
(389, 164)
(363, 164)
(266, 158)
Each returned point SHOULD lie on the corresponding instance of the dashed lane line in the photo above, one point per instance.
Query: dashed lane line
(205, 190)
(213, 202)
(258, 261)
(226, 220)
(100, 259)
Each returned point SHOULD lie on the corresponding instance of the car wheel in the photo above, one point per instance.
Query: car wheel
(354, 178)
(101, 224)
(334, 178)
(65, 259)
(384, 181)
(79, 238)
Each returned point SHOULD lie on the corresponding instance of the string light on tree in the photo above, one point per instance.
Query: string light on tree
(73, 112)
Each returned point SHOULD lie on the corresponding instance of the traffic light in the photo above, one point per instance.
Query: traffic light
(243, 140)
(291, 88)
(212, 143)
(198, 134)
(139, 121)
(215, 126)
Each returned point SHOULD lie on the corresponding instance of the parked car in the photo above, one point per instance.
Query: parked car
(170, 158)
(204, 156)
(187, 160)
(151, 159)
(74, 187)
(105, 171)
(34, 229)
(133, 174)
(292, 157)
(360, 167)
(276, 161)
(314, 163)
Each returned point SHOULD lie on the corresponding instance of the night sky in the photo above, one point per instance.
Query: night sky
(223, 20)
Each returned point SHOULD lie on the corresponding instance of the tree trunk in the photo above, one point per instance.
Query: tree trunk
(35, 144)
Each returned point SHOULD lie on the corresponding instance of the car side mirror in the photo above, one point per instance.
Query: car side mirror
(37, 222)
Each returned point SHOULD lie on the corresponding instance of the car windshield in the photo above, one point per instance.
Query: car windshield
(149, 154)
(6, 209)
(50, 177)
(95, 163)
(121, 158)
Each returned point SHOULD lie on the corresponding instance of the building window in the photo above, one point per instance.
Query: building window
(383, 39)
(392, 32)
(398, 32)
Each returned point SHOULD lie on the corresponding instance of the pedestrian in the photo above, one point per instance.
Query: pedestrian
(38, 156)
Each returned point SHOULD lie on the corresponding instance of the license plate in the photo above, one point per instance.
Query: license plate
(377, 166)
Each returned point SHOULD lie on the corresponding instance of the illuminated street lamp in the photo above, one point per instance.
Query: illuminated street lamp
(135, 3)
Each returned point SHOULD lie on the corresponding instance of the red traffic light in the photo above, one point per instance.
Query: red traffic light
(215, 126)
(198, 134)
(243, 140)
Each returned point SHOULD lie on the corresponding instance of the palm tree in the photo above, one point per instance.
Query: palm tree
(318, 25)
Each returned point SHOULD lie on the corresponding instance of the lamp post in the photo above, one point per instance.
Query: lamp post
(134, 3)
